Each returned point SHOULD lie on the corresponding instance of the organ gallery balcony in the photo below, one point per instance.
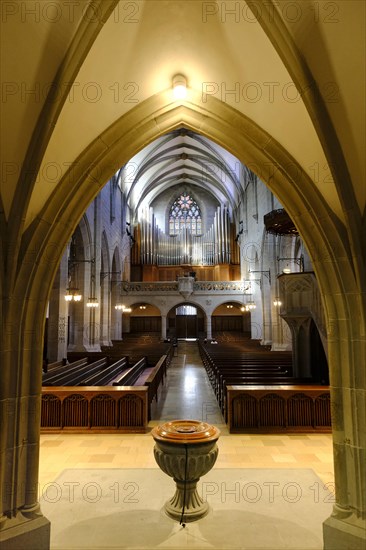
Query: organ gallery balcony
(199, 287)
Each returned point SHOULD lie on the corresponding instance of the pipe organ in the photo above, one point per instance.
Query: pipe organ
(155, 247)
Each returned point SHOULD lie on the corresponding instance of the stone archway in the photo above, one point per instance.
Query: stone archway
(44, 242)
(186, 324)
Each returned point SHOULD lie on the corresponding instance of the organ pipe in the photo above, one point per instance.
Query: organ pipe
(155, 247)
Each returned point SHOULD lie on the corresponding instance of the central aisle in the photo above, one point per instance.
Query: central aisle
(187, 392)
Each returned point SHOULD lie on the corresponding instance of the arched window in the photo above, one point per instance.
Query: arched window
(186, 310)
(185, 212)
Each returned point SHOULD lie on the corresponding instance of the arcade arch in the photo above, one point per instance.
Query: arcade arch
(322, 233)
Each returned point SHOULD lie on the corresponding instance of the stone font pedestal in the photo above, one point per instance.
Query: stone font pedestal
(186, 450)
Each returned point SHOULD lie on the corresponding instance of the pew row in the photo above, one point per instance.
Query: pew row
(96, 409)
(154, 379)
(101, 409)
(56, 364)
(55, 374)
(77, 375)
(278, 409)
(107, 375)
(129, 377)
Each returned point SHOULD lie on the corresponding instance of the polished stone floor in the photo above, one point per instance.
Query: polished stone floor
(187, 394)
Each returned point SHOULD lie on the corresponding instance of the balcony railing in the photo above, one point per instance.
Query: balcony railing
(232, 287)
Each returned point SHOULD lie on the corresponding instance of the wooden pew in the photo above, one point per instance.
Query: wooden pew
(154, 379)
(77, 375)
(276, 409)
(106, 376)
(255, 381)
(129, 377)
(94, 408)
(231, 365)
(50, 366)
(51, 377)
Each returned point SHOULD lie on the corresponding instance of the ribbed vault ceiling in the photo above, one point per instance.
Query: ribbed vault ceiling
(182, 156)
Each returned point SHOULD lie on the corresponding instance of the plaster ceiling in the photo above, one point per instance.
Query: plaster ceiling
(141, 45)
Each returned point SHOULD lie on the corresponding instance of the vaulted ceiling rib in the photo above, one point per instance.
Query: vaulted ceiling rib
(186, 158)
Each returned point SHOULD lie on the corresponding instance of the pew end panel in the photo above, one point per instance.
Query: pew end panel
(94, 409)
(278, 409)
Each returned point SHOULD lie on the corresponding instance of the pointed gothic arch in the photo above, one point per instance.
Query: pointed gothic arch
(323, 234)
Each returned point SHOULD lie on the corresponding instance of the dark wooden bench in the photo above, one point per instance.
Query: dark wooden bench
(255, 381)
(51, 366)
(55, 364)
(97, 409)
(77, 375)
(154, 379)
(106, 376)
(136, 350)
(274, 409)
(129, 377)
(51, 378)
(228, 365)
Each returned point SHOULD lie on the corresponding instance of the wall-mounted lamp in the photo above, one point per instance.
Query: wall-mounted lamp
(124, 309)
(143, 307)
(230, 306)
(179, 86)
(277, 302)
(73, 293)
(265, 273)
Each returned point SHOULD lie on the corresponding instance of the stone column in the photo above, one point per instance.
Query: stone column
(345, 529)
(58, 315)
(278, 343)
(119, 324)
(79, 326)
(116, 325)
(256, 319)
(163, 327)
(94, 270)
(301, 360)
(105, 313)
(208, 327)
(22, 524)
(267, 324)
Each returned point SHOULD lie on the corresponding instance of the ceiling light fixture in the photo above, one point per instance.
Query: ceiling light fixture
(179, 86)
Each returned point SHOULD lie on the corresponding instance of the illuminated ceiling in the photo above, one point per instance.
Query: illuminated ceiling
(101, 59)
(182, 157)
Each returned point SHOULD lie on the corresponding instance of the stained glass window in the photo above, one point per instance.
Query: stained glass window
(185, 212)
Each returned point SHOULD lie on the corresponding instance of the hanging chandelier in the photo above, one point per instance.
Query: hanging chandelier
(249, 305)
(124, 309)
(92, 303)
(73, 295)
